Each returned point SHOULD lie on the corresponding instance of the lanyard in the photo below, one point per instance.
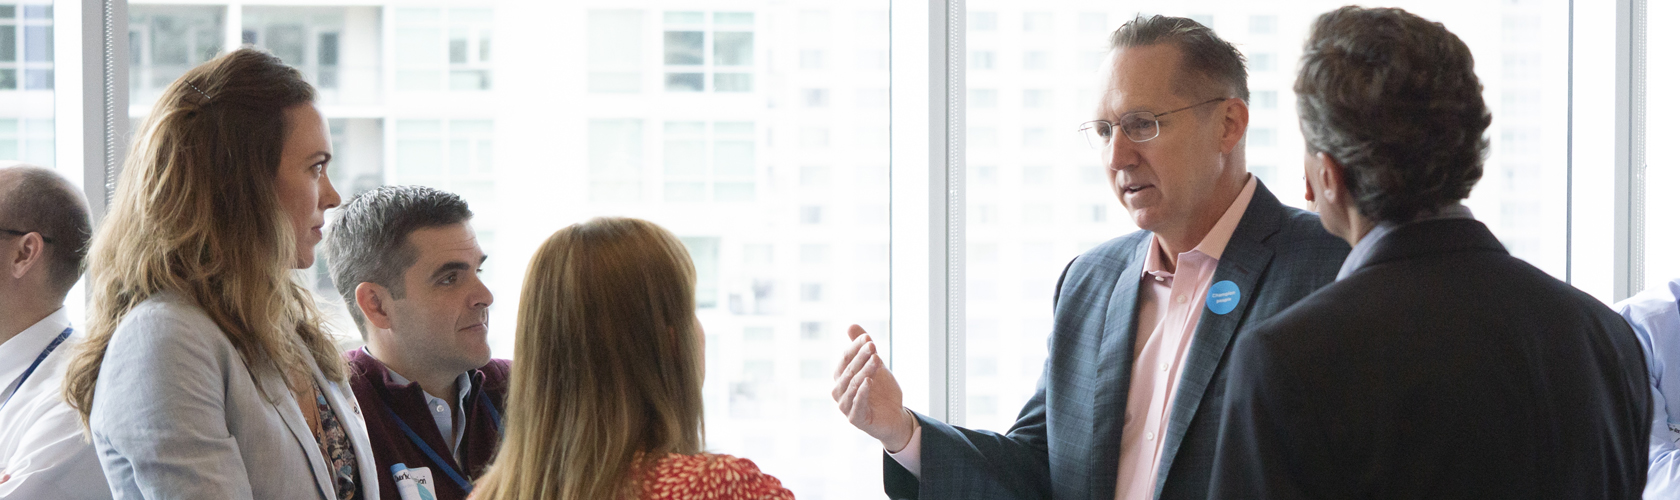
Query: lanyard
(466, 486)
(54, 345)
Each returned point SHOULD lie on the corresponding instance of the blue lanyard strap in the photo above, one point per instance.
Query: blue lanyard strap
(466, 486)
(54, 345)
(495, 416)
(430, 453)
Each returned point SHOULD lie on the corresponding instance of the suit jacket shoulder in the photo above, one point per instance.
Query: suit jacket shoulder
(1442, 350)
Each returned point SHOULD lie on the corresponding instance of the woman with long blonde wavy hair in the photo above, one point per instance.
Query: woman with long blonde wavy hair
(206, 373)
(609, 358)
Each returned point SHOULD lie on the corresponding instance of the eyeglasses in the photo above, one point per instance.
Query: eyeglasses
(1139, 126)
(23, 233)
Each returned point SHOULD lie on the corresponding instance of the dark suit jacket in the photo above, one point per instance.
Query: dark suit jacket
(1066, 442)
(375, 391)
(1440, 368)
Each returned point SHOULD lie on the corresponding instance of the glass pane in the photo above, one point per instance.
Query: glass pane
(733, 48)
(166, 40)
(534, 147)
(685, 82)
(732, 82)
(8, 43)
(1038, 195)
(1662, 170)
(684, 47)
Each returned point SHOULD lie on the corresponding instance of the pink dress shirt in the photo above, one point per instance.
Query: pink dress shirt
(1168, 312)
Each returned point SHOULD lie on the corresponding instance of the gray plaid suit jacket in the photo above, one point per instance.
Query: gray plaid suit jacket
(1066, 442)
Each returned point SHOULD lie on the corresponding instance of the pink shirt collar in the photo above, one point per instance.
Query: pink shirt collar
(1212, 245)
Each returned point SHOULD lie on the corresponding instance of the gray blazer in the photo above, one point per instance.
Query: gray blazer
(178, 414)
(1066, 442)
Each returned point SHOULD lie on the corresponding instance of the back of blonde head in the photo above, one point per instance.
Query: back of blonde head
(196, 214)
(607, 368)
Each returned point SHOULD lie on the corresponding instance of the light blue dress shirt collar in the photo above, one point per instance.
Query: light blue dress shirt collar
(442, 415)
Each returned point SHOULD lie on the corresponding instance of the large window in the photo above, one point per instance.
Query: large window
(1038, 196)
(773, 172)
(1661, 168)
(774, 139)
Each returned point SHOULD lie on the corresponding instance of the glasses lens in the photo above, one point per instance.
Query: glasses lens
(1140, 126)
(1097, 133)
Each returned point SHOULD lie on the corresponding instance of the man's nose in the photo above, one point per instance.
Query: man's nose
(1121, 154)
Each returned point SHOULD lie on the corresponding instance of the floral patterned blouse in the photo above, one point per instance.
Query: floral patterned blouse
(708, 476)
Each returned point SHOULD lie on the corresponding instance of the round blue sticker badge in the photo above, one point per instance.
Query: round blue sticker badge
(1223, 297)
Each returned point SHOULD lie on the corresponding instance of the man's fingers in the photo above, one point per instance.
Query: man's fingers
(855, 331)
(850, 352)
(852, 376)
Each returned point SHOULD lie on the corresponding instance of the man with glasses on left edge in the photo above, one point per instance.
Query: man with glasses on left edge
(1130, 400)
(44, 233)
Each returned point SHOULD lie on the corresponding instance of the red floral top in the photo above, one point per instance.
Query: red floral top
(708, 476)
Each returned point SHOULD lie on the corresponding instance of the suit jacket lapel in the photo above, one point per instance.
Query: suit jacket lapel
(1114, 373)
(279, 395)
(1242, 263)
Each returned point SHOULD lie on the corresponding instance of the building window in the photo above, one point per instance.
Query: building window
(27, 139)
(26, 47)
(704, 252)
(311, 39)
(721, 62)
(443, 49)
(167, 40)
(615, 160)
(615, 51)
(729, 173)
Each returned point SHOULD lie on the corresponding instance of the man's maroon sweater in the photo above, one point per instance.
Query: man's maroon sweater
(375, 391)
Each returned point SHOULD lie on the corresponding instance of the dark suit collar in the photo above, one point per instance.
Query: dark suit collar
(1432, 237)
(1243, 263)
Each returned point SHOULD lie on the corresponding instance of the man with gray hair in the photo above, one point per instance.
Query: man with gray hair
(1437, 365)
(44, 233)
(406, 261)
(1130, 398)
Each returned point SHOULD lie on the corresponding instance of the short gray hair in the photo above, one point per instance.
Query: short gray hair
(1395, 99)
(1206, 55)
(44, 202)
(367, 241)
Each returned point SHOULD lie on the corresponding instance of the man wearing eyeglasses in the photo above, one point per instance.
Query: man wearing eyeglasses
(44, 236)
(1130, 399)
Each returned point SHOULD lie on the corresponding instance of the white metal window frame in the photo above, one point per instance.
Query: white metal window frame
(928, 91)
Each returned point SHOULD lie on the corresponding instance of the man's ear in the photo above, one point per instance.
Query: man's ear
(375, 302)
(1235, 122)
(26, 254)
(1330, 177)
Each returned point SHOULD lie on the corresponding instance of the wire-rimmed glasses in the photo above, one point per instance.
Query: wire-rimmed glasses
(1139, 126)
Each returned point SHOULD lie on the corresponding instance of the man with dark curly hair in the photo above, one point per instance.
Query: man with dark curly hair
(1437, 365)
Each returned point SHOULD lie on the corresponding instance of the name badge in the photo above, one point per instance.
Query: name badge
(415, 483)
